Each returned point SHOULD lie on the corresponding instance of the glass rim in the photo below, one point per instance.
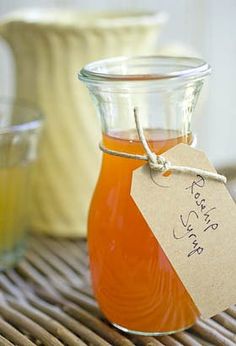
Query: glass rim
(193, 67)
(34, 122)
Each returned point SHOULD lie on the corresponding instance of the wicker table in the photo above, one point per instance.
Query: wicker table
(47, 300)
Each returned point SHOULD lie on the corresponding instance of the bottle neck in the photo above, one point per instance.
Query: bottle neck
(165, 114)
(158, 140)
(163, 89)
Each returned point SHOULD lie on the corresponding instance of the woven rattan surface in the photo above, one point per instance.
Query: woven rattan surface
(47, 300)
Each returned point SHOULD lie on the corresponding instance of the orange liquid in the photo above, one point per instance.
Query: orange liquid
(134, 282)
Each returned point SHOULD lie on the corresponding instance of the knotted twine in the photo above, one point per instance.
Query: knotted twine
(158, 162)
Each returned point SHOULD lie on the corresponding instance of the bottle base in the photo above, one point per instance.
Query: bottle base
(154, 333)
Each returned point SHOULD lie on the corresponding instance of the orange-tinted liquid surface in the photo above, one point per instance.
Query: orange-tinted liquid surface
(134, 282)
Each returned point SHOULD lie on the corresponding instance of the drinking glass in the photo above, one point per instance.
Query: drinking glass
(20, 125)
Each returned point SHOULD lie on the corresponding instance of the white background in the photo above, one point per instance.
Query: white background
(207, 27)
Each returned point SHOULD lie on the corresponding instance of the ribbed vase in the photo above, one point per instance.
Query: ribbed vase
(49, 49)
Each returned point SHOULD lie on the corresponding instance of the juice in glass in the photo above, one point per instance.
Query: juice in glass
(14, 196)
(133, 280)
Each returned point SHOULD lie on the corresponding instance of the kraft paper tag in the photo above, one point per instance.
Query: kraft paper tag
(194, 220)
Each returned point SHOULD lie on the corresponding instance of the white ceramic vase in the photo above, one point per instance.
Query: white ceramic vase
(49, 48)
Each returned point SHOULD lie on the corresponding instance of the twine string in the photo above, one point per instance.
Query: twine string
(158, 162)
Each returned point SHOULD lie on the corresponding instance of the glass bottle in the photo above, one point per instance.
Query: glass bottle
(135, 285)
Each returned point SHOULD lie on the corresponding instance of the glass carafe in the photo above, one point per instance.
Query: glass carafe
(135, 285)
